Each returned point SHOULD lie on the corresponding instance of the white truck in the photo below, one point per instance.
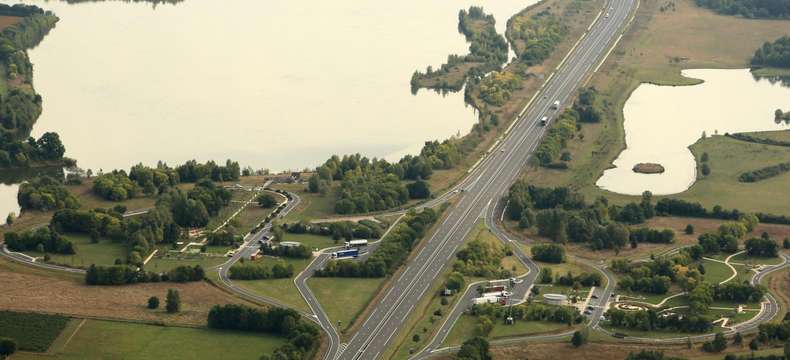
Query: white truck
(555, 105)
(486, 300)
(544, 121)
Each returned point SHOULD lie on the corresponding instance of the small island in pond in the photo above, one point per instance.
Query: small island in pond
(648, 168)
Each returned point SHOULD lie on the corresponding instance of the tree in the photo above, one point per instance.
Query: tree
(579, 338)
(476, 348)
(266, 200)
(737, 339)
(787, 350)
(173, 301)
(455, 281)
(689, 229)
(786, 243)
(754, 345)
(153, 302)
(705, 169)
(415, 338)
(419, 190)
(484, 326)
(7, 347)
(9, 220)
(718, 344)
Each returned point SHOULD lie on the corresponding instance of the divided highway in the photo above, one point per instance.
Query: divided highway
(488, 183)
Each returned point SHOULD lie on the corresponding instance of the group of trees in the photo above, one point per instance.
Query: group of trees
(726, 238)
(563, 215)
(758, 140)
(488, 50)
(123, 274)
(392, 252)
(569, 279)
(556, 139)
(21, 153)
(194, 208)
(476, 348)
(497, 88)
(480, 258)
(651, 320)
(255, 271)
(41, 240)
(45, 193)
(193, 171)
(749, 8)
(535, 37)
(303, 337)
(550, 253)
(657, 276)
(761, 247)
(115, 186)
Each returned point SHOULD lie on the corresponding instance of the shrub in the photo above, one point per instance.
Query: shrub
(153, 302)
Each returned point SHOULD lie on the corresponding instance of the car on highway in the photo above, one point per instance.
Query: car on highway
(587, 312)
(544, 121)
(594, 296)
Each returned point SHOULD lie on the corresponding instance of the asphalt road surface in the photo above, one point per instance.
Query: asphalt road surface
(488, 183)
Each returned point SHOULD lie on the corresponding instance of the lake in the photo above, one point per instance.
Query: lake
(272, 84)
(661, 122)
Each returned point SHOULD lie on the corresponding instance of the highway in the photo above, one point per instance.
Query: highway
(488, 182)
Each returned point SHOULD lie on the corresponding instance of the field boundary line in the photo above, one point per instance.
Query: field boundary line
(74, 333)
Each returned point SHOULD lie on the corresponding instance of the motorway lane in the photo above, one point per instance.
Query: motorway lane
(519, 291)
(491, 181)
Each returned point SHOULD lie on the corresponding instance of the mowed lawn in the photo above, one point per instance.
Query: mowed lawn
(311, 206)
(97, 339)
(716, 272)
(87, 253)
(344, 299)
(283, 290)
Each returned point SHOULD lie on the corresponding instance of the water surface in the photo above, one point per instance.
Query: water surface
(661, 122)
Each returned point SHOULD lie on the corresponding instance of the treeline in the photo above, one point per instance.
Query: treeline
(770, 9)
(534, 38)
(556, 138)
(392, 252)
(758, 140)
(123, 275)
(651, 320)
(44, 194)
(143, 180)
(678, 207)
(348, 230)
(303, 337)
(725, 239)
(40, 240)
(530, 312)
(764, 173)
(298, 252)
(255, 271)
(488, 50)
(479, 258)
(563, 215)
(774, 54)
(19, 109)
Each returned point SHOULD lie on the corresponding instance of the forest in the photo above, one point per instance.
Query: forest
(536, 37)
(774, 54)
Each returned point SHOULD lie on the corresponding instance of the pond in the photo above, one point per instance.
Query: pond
(272, 84)
(661, 122)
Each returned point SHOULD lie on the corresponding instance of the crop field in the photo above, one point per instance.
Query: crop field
(32, 332)
(117, 340)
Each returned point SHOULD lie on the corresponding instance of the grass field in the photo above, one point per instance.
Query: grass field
(313, 241)
(728, 159)
(344, 299)
(31, 331)
(655, 49)
(167, 261)
(464, 329)
(716, 272)
(777, 284)
(90, 201)
(116, 340)
(312, 206)
(102, 253)
(283, 290)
